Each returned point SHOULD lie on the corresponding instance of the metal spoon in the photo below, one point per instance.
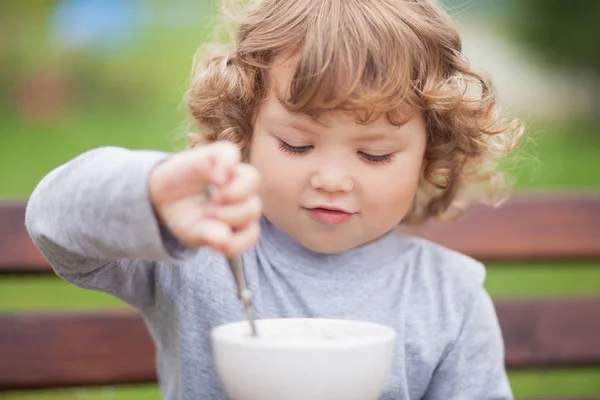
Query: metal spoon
(237, 269)
(244, 294)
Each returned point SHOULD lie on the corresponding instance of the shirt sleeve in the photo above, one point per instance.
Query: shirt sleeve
(473, 368)
(93, 221)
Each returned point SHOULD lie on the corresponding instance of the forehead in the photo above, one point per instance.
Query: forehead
(325, 103)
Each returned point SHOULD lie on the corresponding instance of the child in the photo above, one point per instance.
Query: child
(349, 119)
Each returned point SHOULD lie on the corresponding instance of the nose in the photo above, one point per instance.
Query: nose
(332, 178)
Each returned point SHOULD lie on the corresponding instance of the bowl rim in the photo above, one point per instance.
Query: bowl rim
(387, 335)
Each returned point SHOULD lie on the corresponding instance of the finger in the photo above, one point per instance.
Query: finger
(244, 239)
(214, 162)
(244, 183)
(226, 159)
(209, 232)
(236, 215)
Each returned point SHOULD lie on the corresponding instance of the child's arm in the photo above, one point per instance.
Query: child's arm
(473, 369)
(92, 220)
(95, 219)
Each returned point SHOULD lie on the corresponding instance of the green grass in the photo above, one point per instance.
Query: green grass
(134, 392)
(29, 152)
(542, 279)
(556, 383)
(560, 157)
(49, 293)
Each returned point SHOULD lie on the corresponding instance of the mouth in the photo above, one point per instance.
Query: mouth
(329, 215)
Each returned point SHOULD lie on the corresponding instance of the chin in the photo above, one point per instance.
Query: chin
(325, 246)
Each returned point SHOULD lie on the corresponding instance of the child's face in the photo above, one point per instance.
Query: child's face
(369, 171)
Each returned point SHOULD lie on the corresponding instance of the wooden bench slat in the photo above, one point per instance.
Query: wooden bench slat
(63, 350)
(18, 254)
(549, 227)
(550, 332)
(75, 349)
(528, 227)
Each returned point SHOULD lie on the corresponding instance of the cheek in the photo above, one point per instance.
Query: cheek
(392, 191)
(279, 180)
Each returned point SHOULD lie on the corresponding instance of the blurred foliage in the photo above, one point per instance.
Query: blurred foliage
(151, 66)
(564, 32)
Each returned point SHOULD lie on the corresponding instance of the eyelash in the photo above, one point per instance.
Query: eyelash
(293, 150)
(385, 159)
(370, 158)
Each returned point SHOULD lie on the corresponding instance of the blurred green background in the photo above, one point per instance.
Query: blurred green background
(79, 74)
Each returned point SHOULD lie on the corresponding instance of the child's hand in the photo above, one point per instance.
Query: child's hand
(229, 223)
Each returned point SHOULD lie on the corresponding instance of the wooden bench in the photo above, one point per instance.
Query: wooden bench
(63, 349)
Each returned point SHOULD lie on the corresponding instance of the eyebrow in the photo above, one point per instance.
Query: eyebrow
(292, 124)
(376, 134)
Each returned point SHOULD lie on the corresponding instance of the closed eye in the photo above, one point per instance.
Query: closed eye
(294, 150)
(383, 159)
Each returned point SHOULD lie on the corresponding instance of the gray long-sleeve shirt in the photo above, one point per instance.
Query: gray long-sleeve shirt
(93, 221)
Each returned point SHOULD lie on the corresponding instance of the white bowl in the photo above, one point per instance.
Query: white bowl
(304, 359)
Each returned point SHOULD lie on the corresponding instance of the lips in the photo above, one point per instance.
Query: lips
(329, 215)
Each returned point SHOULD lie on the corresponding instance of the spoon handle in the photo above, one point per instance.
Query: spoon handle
(244, 293)
(237, 269)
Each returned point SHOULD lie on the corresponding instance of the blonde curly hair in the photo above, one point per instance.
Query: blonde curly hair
(372, 57)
